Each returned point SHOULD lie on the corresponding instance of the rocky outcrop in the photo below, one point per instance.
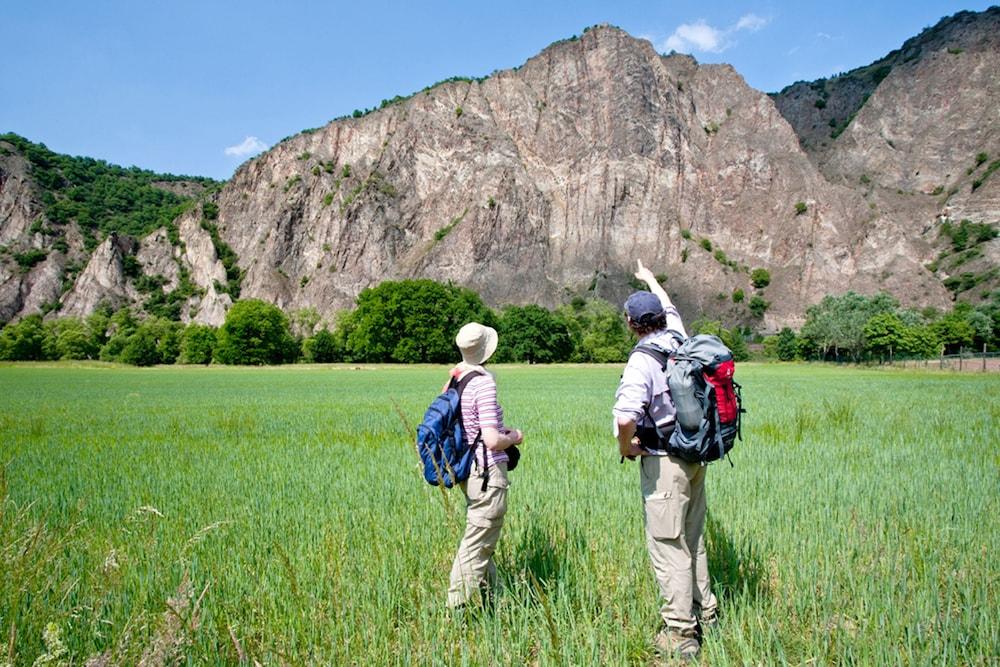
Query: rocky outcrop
(547, 181)
(103, 282)
(916, 131)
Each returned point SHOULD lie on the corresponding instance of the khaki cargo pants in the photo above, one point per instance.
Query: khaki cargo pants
(673, 496)
(473, 569)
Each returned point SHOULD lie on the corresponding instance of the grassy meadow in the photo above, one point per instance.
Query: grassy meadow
(278, 515)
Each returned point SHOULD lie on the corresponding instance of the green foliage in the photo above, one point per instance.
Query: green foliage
(733, 338)
(410, 321)
(458, 112)
(255, 333)
(533, 334)
(234, 275)
(23, 341)
(292, 182)
(760, 278)
(71, 338)
(967, 233)
(836, 324)
(981, 158)
(154, 341)
(738, 295)
(322, 348)
(444, 231)
(786, 346)
(820, 103)
(993, 166)
(758, 305)
(706, 244)
(27, 260)
(598, 331)
(800, 207)
(168, 305)
(686, 233)
(100, 196)
(197, 344)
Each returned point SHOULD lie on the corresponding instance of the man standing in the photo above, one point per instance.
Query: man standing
(673, 490)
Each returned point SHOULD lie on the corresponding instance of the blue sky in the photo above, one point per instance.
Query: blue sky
(196, 87)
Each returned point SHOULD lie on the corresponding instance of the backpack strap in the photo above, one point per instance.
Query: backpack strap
(460, 386)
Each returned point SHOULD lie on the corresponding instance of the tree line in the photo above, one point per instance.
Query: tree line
(414, 321)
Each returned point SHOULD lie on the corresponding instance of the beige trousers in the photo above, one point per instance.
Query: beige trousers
(673, 496)
(473, 569)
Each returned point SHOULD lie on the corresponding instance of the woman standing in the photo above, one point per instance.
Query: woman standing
(486, 489)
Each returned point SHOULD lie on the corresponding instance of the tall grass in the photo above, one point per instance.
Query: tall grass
(278, 515)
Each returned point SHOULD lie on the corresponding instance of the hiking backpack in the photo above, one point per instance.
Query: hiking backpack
(707, 399)
(446, 457)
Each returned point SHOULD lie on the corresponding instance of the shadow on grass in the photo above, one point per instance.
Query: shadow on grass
(540, 554)
(737, 571)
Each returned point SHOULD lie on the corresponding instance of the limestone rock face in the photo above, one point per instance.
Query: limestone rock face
(924, 117)
(102, 282)
(549, 181)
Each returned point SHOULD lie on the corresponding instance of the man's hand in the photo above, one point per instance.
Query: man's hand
(645, 275)
(631, 450)
(628, 443)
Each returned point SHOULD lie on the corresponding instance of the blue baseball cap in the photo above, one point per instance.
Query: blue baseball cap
(643, 307)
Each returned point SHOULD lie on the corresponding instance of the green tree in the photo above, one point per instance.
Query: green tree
(837, 323)
(533, 334)
(197, 344)
(787, 345)
(954, 331)
(598, 331)
(410, 321)
(322, 348)
(23, 341)
(884, 333)
(154, 341)
(255, 333)
(70, 338)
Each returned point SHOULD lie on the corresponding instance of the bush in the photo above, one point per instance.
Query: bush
(760, 278)
(706, 244)
(800, 207)
(255, 333)
(738, 296)
(758, 306)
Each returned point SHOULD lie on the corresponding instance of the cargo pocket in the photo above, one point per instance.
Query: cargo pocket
(662, 519)
(489, 506)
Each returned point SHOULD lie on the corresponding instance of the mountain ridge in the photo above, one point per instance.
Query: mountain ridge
(538, 184)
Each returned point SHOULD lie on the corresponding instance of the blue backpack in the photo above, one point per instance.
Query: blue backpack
(446, 457)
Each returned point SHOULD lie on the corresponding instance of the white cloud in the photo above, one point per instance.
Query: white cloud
(751, 22)
(250, 146)
(700, 36)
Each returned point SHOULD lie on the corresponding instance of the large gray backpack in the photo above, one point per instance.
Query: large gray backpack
(708, 401)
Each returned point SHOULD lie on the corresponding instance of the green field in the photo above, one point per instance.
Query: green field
(278, 515)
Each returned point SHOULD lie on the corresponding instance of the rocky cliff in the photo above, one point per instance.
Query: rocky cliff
(545, 182)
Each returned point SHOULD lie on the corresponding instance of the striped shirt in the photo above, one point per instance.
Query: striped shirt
(481, 410)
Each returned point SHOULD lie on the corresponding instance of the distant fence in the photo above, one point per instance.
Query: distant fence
(966, 362)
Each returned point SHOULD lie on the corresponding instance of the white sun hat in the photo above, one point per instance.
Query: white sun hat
(477, 343)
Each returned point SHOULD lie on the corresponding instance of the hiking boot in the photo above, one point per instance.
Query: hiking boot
(709, 621)
(675, 644)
